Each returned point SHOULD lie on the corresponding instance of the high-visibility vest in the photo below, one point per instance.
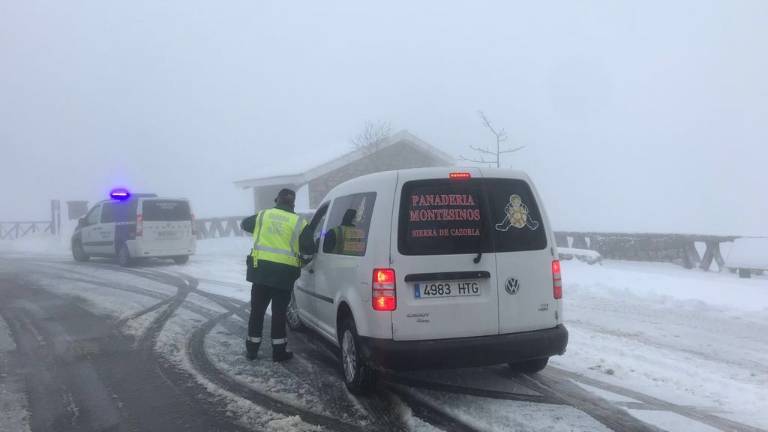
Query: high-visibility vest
(349, 240)
(276, 237)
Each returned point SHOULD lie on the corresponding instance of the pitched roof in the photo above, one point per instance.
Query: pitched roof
(345, 159)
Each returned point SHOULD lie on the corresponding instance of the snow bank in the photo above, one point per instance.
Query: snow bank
(226, 246)
(665, 282)
(37, 244)
(586, 255)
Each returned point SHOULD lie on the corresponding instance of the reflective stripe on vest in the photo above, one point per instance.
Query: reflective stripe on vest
(277, 238)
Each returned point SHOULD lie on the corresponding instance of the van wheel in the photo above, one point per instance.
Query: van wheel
(78, 253)
(745, 273)
(124, 257)
(181, 259)
(358, 376)
(529, 366)
(292, 316)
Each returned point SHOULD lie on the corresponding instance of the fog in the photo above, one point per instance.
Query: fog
(636, 116)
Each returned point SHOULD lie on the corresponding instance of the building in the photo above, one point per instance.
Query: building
(401, 150)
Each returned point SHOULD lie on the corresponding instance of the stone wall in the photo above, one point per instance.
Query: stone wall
(402, 155)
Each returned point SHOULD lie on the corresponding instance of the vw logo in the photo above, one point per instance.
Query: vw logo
(512, 286)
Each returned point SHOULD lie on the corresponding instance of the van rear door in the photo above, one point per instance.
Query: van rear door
(446, 280)
(167, 223)
(523, 256)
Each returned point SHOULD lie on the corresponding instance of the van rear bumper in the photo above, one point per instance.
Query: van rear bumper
(154, 249)
(464, 352)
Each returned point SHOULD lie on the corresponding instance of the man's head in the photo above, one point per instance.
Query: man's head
(286, 198)
(349, 217)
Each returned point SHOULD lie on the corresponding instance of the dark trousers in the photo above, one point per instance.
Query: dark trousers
(261, 296)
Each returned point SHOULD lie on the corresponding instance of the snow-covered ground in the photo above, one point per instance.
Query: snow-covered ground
(683, 336)
(686, 337)
(14, 414)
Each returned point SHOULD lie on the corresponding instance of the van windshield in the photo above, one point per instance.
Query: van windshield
(166, 210)
(443, 216)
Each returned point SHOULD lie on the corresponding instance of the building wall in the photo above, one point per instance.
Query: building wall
(402, 155)
(264, 196)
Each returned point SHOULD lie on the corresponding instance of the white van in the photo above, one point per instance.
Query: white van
(139, 226)
(432, 268)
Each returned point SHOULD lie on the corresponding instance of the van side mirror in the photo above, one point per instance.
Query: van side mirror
(81, 222)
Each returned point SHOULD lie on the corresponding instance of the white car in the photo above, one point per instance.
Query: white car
(432, 268)
(136, 226)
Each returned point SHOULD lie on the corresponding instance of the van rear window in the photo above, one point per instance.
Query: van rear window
(165, 210)
(442, 217)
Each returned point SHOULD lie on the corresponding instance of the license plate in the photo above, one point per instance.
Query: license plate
(447, 289)
(167, 234)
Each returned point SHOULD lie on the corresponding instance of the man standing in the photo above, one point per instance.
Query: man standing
(274, 266)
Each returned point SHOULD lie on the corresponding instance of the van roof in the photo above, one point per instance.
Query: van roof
(427, 173)
(155, 197)
(440, 172)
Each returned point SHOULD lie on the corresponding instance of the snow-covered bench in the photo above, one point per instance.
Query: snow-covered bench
(748, 256)
(585, 255)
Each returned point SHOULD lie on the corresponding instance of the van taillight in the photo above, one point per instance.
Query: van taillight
(139, 225)
(557, 282)
(194, 228)
(384, 294)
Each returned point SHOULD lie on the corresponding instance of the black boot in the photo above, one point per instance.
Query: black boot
(280, 354)
(251, 350)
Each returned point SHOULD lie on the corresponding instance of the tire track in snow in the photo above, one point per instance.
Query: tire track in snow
(203, 364)
(382, 417)
(379, 405)
(613, 417)
(652, 403)
(201, 361)
(469, 391)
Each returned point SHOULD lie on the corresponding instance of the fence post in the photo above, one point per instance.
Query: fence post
(55, 217)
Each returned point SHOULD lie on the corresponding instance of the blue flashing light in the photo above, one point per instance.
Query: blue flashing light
(120, 194)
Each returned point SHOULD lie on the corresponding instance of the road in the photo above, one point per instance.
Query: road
(97, 347)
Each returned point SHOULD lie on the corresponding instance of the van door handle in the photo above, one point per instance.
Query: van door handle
(458, 275)
(311, 271)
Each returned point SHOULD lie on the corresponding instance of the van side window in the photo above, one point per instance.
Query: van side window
(107, 212)
(93, 215)
(165, 210)
(348, 224)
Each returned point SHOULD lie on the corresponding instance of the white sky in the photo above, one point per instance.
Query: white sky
(637, 116)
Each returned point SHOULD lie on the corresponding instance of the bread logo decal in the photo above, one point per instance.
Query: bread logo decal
(516, 215)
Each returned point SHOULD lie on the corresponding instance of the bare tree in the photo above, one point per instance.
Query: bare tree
(372, 135)
(501, 136)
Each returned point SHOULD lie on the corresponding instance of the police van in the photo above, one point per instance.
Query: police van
(432, 268)
(131, 226)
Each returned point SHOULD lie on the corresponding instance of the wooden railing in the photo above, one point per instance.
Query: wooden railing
(675, 248)
(219, 227)
(16, 230)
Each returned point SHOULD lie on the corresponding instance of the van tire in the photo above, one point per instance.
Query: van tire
(124, 256)
(745, 273)
(359, 377)
(78, 253)
(181, 259)
(529, 366)
(292, 317)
